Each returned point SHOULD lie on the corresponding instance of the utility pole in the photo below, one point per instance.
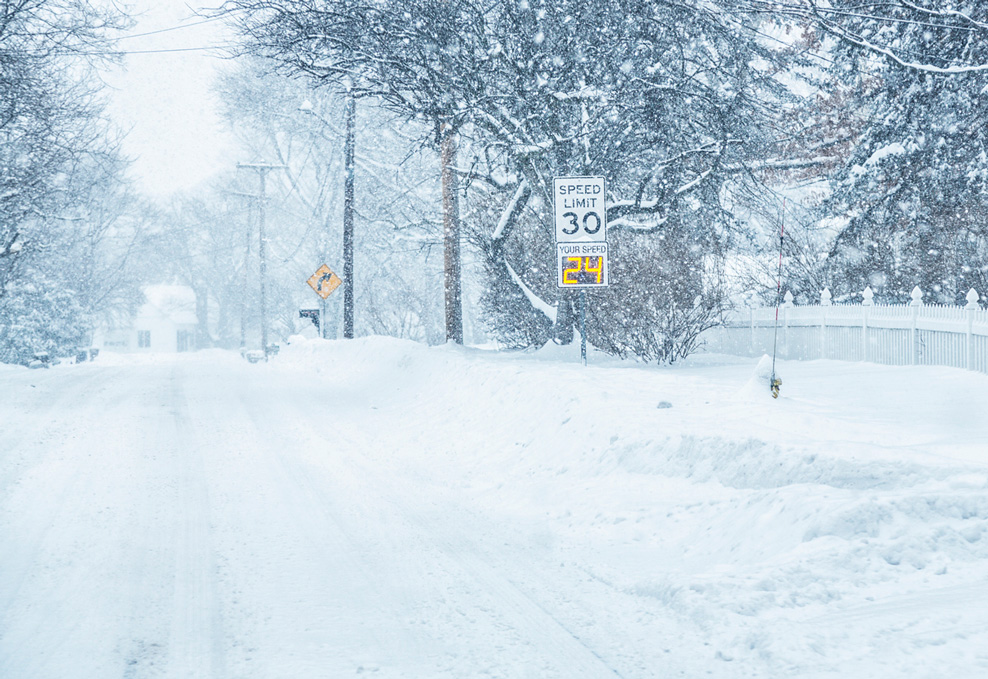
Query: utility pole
(243, 294)
(349, 142)
(451, 236)
(348, 147)
(262, 170)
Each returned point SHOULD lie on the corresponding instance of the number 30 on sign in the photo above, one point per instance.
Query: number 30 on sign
(581, 265)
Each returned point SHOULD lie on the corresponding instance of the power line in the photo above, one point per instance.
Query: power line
(164, 30)
(90, 46)
(108, 53)
(84, 52)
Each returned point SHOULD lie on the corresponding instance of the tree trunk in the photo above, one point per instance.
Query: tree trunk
(562, 332)
(451, 237)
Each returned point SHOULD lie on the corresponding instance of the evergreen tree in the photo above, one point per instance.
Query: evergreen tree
(59, 172)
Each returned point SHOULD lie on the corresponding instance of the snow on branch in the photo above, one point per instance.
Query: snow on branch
(533, 299)
(913, 65)
(13, 246)
(781, 164)
(690, 185)
(643, 227)
(811, 10)
(653, 205)
(944, 13)
(510, 212)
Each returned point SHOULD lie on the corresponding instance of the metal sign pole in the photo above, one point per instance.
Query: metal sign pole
(583, 326)
(322, 319)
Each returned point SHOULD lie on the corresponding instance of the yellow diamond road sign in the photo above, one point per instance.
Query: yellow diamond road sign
(324, 281)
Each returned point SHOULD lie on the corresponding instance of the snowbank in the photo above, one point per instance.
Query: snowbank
(862, 489)
(521, 510)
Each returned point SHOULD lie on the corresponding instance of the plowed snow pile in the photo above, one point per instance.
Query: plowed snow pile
(611, 520)
(842, 527)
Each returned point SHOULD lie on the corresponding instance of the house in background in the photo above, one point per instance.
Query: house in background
(165, 323)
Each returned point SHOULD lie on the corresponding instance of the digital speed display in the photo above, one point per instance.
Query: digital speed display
(581, 265)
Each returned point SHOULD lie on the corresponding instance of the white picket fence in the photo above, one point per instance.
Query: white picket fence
(894, 334)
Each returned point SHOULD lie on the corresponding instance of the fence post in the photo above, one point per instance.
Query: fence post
(917, 302)
(825, 301)
(971, 306)
(867, 300)
(785, 319)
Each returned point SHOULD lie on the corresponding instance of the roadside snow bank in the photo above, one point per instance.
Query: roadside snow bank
(862, 488)
(458, 507)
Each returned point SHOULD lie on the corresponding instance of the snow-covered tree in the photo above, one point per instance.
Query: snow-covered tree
(59, 174)
(671, 101)
(907, 204)
(213, 245)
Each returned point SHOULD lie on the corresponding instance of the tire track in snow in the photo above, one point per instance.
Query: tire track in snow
(195, 647)
(50, 571)
(49, 398)
(480, 583)
(301, 600)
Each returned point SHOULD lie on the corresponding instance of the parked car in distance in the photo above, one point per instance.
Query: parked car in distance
(42, 359)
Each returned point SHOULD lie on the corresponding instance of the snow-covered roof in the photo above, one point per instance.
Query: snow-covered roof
(176, 302)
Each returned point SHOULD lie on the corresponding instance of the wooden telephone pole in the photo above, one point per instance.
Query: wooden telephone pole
(451, 236)
(348, 147)
(262, 170)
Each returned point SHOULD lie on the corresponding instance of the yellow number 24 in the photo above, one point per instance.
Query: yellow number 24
(571, 275)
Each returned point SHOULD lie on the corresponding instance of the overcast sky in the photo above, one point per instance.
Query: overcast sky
(164, 100)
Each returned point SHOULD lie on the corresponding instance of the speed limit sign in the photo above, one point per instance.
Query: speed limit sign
(578, 205)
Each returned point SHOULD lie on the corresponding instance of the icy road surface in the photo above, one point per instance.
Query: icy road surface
(379, 508)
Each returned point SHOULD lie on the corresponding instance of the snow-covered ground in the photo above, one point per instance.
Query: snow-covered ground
(376, 507)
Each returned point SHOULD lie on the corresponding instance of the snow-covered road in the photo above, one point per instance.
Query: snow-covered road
(383, 508)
